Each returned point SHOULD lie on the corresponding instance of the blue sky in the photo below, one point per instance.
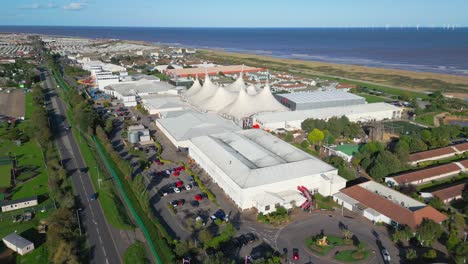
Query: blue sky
(240, 13)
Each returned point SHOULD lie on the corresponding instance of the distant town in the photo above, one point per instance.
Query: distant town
(152, 153)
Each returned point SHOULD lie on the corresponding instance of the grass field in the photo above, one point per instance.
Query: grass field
(28, 105)
(392, 81)
(426, 119)
(136, 254)
(5, 175)
(347, 256)
(372, 98)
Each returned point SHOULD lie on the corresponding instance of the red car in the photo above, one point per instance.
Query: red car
(179, 183)
(198, 197)
(295, 255)
(176, 174)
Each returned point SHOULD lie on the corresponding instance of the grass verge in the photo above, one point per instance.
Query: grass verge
(351, 255)
(136, 254)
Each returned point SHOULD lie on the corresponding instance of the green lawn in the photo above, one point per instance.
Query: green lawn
(323, 250)
(136, 254)
(28, 105)
(5, 175)
(426, 119)
(372, 98)
(347, 255)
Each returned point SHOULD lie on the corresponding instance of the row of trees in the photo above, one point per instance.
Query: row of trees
(337, 127)
(63, 241)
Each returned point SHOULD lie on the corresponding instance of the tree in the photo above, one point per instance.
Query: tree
(465, 193)
(205, 236)
(453, 240)
(430, 254)
(402, 150)
(305, 144)
(437, 203)
(416, 144)
(460, 253)
(316, 136)
(402, 235)
(289, 137)
(347, 234)
(411, 254)
(428, 231)
(182, 248)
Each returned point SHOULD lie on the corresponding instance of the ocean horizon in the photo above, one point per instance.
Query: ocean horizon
(427, 49)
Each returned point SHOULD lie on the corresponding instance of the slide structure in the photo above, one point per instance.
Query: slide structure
(310, 198)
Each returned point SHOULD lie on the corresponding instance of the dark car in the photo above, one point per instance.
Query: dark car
(204, 196)
(250, 237)
(94, 196)
(174, 203)
(295, 254)
(242, 240)
(180, 202)
(194, 203)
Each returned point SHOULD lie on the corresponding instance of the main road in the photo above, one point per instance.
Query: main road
(102, 246)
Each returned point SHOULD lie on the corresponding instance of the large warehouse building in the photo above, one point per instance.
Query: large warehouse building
(128, 92)
(258, 170)
(191, 124)
(319, 99)
(356, 113)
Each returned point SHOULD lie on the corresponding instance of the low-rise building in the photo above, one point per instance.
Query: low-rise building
(446, 194)
(345, 151)
(200, 72)
(158, 105)
(258, 170)
(438, 153)
(428, 174)
(139, 134)
(188, 125)
(128, 92)
(319, 99)
(355, 113)
(18, 244)
(381, 204)
(10, 205)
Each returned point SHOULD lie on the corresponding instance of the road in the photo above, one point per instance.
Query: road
(101, 245)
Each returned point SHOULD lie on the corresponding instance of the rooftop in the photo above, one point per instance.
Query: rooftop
(449, 192)
(348, 149)
(17, 240)
(320, 96)
(139, 87)
(254, 157)
(212, 70)
(418, 175)
(378, 201)
(324, 113)
(10, 202)
(192, 124)
(434, 153)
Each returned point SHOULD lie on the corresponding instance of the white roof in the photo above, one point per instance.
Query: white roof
(237, 85)
(139, 87)
(251, 90)
(320, 96)
(17, 240)
(196, 86)
(254, 157)
(208, 90)
(193, 124)
(220, 100)
(162, 102)
(324, 113)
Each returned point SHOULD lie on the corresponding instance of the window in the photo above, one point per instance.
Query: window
(267, 208)
(277, 205)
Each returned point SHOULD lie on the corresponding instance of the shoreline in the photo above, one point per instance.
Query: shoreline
(429, 81)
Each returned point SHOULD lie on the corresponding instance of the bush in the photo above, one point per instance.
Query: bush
(430, 254)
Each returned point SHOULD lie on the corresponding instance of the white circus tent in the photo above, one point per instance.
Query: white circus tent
(237, 85)
(243, 106)
(220, 100)
(208, 90)
(195, 88)
(251, 90)
(267, 101)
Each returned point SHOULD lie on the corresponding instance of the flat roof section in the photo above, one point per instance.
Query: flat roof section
(320, 96)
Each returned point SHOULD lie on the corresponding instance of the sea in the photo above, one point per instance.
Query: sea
(439, 50)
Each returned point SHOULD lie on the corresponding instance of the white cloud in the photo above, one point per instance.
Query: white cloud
(75, 6)
(31, 6)
(37, 6)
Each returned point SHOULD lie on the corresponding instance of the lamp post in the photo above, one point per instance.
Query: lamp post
(78, 217)
(99, 178)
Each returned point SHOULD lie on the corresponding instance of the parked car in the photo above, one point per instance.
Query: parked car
(179, 183)
(386, 255)
(194, 203)
(94, 196)
(295, 254)
(220, 215)
(174, 203)
(176, 190)
(188, 187)
(250, 237)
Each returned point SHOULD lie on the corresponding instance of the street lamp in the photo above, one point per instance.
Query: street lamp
(78, 217)
(99, 178)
